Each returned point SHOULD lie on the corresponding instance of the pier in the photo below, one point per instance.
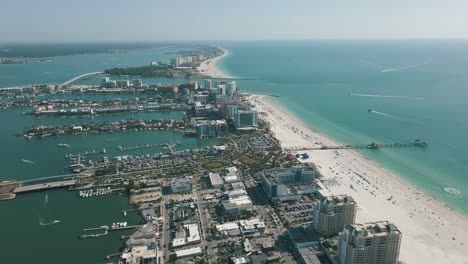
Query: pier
(373, 145)
(125, 227)
(105, 233)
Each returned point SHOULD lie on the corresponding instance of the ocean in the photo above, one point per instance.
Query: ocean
(413, 89)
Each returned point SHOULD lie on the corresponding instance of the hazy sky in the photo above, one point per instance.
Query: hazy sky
(153, 20)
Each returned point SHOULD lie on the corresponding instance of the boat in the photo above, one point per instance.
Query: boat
(51, 223)
(62, 145)
(370, 110)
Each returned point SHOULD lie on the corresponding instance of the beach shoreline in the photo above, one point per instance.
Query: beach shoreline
(208, 67)
(432, 232)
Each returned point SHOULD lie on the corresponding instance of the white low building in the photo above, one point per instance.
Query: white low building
(189, 252)
(230, 229)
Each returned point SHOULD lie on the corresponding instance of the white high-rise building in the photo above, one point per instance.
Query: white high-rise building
(231, 87)
(369, 243)
(333, 213)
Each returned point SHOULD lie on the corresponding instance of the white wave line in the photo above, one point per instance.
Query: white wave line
(28, 161)
(405, 67)
(384, 114)
(386, 96)
(384, 69)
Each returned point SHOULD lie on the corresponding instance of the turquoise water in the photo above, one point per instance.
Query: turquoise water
(313, 80)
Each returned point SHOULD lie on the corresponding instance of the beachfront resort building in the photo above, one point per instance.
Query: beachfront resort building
(288, 183)
(212, 128)
(333, 213)
(181, 185)
(246, 120)
(377, 242)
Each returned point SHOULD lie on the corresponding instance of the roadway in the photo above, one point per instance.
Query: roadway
(44, 186)
(202, 215)
(77, 78)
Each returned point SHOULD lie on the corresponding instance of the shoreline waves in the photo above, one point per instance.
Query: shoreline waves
(432, 231)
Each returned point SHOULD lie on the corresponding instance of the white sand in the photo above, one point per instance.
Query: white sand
(432, 232)
(208, 67)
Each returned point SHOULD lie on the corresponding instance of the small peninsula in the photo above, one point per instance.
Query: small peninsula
(194, 64)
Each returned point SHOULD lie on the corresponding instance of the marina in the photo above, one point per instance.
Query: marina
(99, 192)
(167, 145)
(105, 229)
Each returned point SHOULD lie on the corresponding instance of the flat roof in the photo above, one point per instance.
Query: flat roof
(227, 226)
(176, 242)
(193, 232)
(189, 252)
(215, 179)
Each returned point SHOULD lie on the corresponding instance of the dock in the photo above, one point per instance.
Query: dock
(125, 227)
(122, 149)
(105, 233)
(373, 145)
(169, 146)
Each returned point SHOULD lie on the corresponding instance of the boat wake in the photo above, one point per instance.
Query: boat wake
(335, 84)
(42, 223)
(28, 161)
(111, 139)
(406, 67)
(384, 69)
(46, 200)
(383, 114)
(387, 96)
(452, 191)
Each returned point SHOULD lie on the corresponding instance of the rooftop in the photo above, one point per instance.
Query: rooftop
(337, 199)
(372, 229)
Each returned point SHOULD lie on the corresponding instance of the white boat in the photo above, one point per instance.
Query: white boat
(62, 145)
(51, 223)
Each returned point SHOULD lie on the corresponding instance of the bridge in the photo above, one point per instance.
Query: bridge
(62, 177)
(77, 78)
(44, 186)
(373, 145)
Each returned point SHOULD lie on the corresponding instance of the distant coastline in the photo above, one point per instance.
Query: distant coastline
(206, 69)
(210, 69)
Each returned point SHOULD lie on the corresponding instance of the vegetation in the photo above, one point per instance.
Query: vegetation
(249, 160)
(213, 165)
(156, 71)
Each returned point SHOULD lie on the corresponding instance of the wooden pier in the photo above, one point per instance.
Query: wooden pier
(373, 145)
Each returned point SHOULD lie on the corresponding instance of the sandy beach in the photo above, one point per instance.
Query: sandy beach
(208, 67)
(432, 232)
